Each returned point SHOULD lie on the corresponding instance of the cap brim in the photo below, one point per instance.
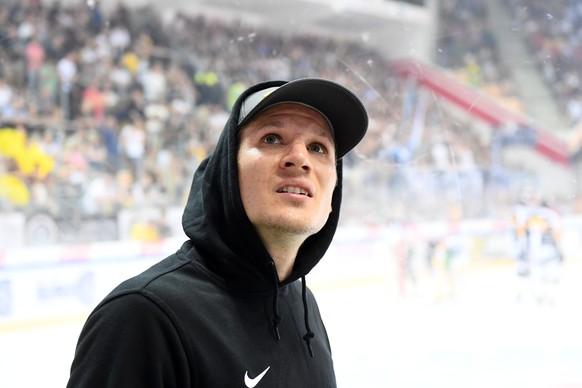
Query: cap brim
(341, 107)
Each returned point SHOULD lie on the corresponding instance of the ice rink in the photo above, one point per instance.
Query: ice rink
(385, 333)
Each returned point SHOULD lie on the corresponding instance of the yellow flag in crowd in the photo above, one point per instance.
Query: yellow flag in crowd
(14, 190)
(29, 157)
(12, 142)
(30, 160)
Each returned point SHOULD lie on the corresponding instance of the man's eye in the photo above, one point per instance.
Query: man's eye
(271, 139)
(317, 148)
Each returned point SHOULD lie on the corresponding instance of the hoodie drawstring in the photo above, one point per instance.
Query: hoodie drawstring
(309, 335)
(276, 315)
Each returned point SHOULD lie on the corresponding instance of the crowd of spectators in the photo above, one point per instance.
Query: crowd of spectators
(467, 46)
(466, 42)
(111, 111)
(552, 32)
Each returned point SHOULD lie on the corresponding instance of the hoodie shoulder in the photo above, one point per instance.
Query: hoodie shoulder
(139, 282)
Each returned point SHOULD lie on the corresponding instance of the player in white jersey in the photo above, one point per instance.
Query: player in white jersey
(521, 213)
(543, 232)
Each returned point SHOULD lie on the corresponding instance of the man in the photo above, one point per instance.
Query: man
(231, 308)
(543, 234)
(521, 213)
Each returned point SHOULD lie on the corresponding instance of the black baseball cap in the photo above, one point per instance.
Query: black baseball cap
(341, 107)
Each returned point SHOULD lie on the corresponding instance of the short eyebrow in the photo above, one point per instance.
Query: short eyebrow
(327, 134)
(274, 123)
(260, 124)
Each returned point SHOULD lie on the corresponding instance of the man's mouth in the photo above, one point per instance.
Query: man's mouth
(293, 190)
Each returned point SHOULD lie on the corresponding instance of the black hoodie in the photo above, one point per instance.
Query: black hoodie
(213, 314)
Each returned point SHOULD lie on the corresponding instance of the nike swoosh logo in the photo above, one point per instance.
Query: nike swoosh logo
(252, 383)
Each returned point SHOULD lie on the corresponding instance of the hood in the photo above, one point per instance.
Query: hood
(215, 220)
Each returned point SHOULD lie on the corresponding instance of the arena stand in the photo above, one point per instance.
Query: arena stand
(146, 101)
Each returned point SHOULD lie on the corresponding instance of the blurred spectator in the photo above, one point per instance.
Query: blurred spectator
(154, 82)
(109, 135)
(119, 39)
(49, 90)
(5, 95)
(34, 61)
(132, 143)
(93, 100)
(157, 115)
(100, 195)
(67, 72)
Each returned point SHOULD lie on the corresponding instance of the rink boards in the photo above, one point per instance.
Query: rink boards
(42, 284)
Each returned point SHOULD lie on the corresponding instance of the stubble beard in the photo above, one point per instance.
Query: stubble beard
(285, 228)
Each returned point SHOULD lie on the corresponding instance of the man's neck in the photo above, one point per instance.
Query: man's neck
(284, 264)
(284, 251)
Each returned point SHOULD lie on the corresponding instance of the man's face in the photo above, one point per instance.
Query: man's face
(287, 170)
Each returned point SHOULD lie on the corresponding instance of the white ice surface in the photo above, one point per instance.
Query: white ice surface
(481, 338)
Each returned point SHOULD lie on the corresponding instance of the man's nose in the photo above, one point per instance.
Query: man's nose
(296, 156)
